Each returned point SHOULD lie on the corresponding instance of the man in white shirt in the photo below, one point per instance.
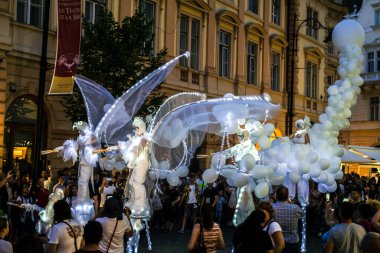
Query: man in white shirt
(190, 197)
(105, 189)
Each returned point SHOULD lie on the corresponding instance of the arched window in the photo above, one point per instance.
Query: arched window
(20, 123)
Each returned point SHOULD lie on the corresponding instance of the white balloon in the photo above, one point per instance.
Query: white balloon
(264, 142)
(173, 179)
(292, 165)
(247, 162)
(262, 190)
(229, 95)
(323, 177)
(152, 175)
(241, 121)
(228, 172)
(230, 181)
(162, 174)
(341, 37)
(259, 172)
(277, 179)
(357, 81)
(163, 165)
(182, 171)
(240, 180)
(119, 165)
(218, 159)
(330, 180)
(322, 188)
(315, 171)
(294, 177)
(304, 167)
(210, 175)
(312, 157)
(332, 187)
(338, 151)
(338, 175)
(324, 163)
(268, 129)
(332, 90)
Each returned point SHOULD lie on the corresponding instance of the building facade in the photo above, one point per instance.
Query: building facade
(365, 120)
(243, 47)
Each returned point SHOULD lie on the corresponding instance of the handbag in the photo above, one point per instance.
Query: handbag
(201, 248)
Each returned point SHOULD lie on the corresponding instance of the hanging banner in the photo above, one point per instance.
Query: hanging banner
(68, 43)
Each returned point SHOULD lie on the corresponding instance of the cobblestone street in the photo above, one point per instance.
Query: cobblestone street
(177, 243)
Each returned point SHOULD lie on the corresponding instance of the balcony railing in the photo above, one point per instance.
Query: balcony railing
(372, 76)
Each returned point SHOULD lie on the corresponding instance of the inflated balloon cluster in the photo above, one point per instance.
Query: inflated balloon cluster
(289, 161)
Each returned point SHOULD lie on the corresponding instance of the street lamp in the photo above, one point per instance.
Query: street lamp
(316, 25)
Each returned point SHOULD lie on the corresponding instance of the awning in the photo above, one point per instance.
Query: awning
(370, 152)
(351, 157)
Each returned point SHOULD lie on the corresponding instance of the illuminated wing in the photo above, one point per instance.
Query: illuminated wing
(116, 123)
(96, 98)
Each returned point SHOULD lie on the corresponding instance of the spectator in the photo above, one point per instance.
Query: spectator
(28, 244)
(42, 195)
(93, 232)
(209, 196)
(26, 215)
(250, 237)
(105, 189)
(221, 201)
(5, 246)
(287, 215)
(345, 237)
(171, 208)
(376, 221)
(94, 193)
(355, 199)
(272, 227)
(60, 184)
(370, 243)
(207, 233)
(44, 174)
(4, 196)
(190, 197)
(73, 192)
(365, 212)
(66, 233)
(115, 225)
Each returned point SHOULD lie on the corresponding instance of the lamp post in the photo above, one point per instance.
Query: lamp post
(316, 25)
(41, 91)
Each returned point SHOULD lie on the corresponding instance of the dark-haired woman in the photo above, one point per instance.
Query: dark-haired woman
(66, 234)
(272, 227)
(5, 246)
(250, 237)
(115, 225)
(212, 237)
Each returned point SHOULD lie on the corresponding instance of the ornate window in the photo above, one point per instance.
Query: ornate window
(374, 108)
(30, 12)
(224, 53)
(275, 71)
(253, 6)
(93, 8)
(189, 41)
(312, 15)
(276, 10)
(252, 63)
(311, 80)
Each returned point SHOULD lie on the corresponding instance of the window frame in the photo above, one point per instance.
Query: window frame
(276, 7)
(94, 4)
(191, 40)
(275, 83)
(376, 17)
(225, 72)
(28, 4)
(252, 4)
(370, 62)
(311, 80)
(311, 16)
(252, 72)
(374, 108)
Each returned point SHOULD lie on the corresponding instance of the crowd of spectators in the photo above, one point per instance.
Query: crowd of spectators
(194, 205)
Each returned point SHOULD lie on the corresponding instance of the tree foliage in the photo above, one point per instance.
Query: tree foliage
(116, 55)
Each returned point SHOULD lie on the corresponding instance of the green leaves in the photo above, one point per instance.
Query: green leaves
(116, 55)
